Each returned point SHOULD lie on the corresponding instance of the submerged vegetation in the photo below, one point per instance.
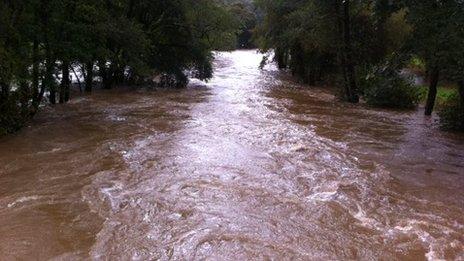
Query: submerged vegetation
(361, 46)
(355, 41)
(452, 114)
(386, 87)
(123, 42)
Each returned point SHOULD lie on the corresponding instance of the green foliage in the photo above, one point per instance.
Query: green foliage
(246, 18)
(318, 40)
(398, 31)
(302, 33)
(444, 94)
(438, 35)
(417, 65)
(385, 87)
(452, 114)
(119, 42)
(12, 115)
(437, 40)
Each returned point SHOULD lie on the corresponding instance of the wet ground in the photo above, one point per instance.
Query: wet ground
(248, 166)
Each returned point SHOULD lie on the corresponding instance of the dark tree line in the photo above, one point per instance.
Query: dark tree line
(361, 45)
(109, 43)
(365, 44)
(245, 13)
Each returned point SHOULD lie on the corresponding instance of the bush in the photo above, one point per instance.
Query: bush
(12, 116)
(452, 114)
(386, 87)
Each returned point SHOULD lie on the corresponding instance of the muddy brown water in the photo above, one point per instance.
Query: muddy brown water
(248, 166)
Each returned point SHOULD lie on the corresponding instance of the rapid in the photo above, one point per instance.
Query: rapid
(250, 165)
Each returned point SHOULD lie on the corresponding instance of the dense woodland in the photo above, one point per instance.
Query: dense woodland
(111, 43)
(363, 47)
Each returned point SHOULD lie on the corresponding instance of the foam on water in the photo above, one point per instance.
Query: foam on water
(22, 200)
(251, 165)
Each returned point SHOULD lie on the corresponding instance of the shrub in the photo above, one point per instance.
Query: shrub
(452, 114)
(386, 87)
(12, 116)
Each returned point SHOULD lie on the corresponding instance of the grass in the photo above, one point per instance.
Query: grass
(444, 94)
(445, 91)
(417, 65)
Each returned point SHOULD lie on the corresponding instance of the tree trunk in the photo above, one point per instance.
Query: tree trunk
(340, 52)
(320, 74)
(280, 59)
(350, 68)
(119, 75)
(49, 80)
(64, 87)
(106, 74)
(131, 9)
(88, 76)
(35, 74)
(77, 78)
(432, 95)
(24, 95)
(41, 93)
(461, 92)
(298, 62)
(112, 76)
(382, 12)
(311, 74)
(103, 74)
(5, 91)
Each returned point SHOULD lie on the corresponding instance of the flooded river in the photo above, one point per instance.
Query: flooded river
(250, 165)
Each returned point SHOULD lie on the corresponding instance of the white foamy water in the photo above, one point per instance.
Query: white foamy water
(249, 166)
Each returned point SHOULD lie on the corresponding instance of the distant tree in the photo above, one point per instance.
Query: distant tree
(246, 18)
(316, 37)
(437, 38)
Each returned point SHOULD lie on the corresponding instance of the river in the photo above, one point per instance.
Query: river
(250, 165)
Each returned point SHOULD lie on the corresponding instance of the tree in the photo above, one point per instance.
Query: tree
(115, 42)
(435, 37)
(349, 67)
(314, 38)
